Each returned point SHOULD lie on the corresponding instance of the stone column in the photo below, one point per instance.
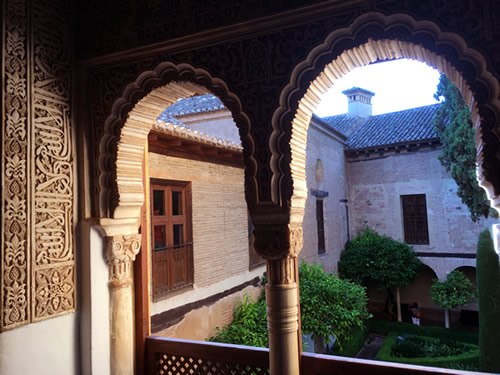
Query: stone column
(280, 245)
(120, 254)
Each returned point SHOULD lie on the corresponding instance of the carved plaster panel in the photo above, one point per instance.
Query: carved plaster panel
(15, 242)
(38, 265)
(257, 63)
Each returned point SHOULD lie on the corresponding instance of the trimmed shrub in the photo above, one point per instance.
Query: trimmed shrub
(468, 359)
(488, 285)
(456, 290)
(413, 346)
(386, 261)
(384, 327)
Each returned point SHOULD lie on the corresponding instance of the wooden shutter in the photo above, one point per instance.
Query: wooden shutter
(415, 225)
(171, 236)
(321, 226)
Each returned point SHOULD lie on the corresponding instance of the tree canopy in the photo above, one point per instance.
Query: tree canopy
(456, 290)
(458, 156)
(379, 258)
(330, 306)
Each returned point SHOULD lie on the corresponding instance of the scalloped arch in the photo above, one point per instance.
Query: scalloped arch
(375, 37)
(121, 148)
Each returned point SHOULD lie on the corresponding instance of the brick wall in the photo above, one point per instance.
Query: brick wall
(328, 148)
(375, 187)
(220, 226)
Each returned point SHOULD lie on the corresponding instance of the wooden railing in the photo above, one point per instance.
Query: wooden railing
(175, 356)
(318, 364)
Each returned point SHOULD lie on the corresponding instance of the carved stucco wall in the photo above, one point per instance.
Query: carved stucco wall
(38, 259)
(258, 68)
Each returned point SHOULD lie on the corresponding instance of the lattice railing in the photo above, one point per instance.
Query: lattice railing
(175, 356)
(167, 356)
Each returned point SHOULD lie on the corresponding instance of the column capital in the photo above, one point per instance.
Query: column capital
(120, 253)
(276, 241)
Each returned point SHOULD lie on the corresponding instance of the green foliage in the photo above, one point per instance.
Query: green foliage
(330, 306)
(456, 290)
(412, 346)
(353, 344)
(249, 326)
(488, 286)
(379, 258)
(384, 327)
(467, 359)
(458, 156)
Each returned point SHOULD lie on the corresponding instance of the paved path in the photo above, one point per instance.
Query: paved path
(371, 347)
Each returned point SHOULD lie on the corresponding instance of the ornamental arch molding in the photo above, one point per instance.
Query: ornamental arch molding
(121, 148)
(375, 37)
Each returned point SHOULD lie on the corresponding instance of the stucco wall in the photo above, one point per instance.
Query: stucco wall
(202, 323)
(375, 187)
(218, 124)
(46, 347)
(325, 146)
(220, 227)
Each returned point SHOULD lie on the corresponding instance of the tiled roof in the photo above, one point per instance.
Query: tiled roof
(168, 122)
(410, 125)
(186, 133)
(192, 105)
(343, 123)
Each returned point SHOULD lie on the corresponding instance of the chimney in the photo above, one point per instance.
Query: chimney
(360, 102)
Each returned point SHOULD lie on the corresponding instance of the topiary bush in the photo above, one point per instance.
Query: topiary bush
(381, 259)
(384, 327)
(413, 346)
(456, 290)
(488, 286)
(467, 359)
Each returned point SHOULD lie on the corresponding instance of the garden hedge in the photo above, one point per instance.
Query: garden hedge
(467, 360)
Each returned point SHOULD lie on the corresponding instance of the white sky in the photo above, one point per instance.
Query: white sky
(397, 84)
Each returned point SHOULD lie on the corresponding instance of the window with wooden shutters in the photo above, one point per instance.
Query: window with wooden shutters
(416, 230)
(171, 239)
(321, 226)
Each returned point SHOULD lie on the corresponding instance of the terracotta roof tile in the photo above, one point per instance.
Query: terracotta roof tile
(409, 125)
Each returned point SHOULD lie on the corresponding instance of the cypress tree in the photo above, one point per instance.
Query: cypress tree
(458, 155)
(488, 285)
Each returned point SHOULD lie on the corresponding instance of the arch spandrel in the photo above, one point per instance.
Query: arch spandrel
(374, 37)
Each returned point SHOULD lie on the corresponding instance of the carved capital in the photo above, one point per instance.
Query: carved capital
(276, 241)
(120, 253)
